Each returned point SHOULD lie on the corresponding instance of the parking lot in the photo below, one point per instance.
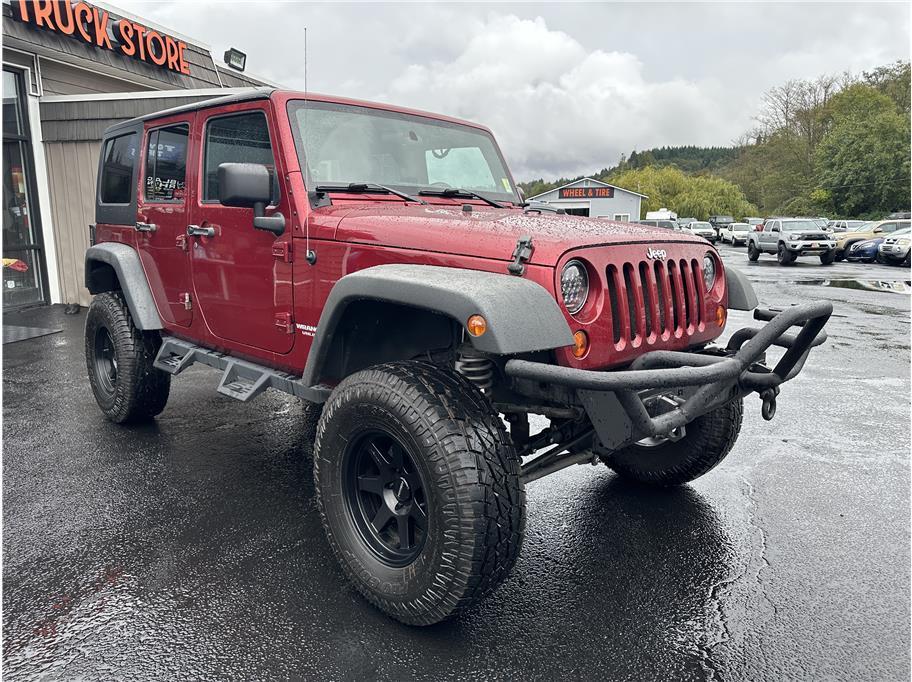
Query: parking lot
(192, 547)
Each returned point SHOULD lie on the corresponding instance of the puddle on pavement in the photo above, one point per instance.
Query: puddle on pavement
(890, 287)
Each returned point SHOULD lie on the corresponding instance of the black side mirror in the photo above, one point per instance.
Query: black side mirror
(248, 185)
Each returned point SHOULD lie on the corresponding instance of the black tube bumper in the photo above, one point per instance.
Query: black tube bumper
(713, 378)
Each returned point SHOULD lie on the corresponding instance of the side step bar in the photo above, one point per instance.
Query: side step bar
(241, 380)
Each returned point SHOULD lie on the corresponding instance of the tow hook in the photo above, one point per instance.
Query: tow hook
(769, 403)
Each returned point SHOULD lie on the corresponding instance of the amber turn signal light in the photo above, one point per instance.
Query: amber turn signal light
(477, 325)
(720, 316)
(580, 344)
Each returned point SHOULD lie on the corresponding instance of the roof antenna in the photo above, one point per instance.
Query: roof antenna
(310, 255)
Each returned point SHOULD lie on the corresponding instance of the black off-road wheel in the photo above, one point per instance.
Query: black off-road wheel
(828, 258)
(784, 256)
(418, 489)
(706, 442)
(119, 361)
(753, 253)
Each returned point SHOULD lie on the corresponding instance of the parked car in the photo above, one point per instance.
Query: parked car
(790, 238)
(902, 215)
(684, 222)
(735, 233)
(865, 251)
(667, 224)
(753, 222)
(895, 248)
(661, 214)
(418, 318)
(843, 225)
(870, 230)
(720, 221)
(703, 229)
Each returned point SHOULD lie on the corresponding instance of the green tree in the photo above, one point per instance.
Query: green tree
(687, 195)
(863, 162)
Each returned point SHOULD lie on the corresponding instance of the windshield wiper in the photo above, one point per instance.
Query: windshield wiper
(361, 187)
(451, 192)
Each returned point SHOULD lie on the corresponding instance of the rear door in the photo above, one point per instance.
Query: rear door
(241, 276)
(770, 235)
(161, 215)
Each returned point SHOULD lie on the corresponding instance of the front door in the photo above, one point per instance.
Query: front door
(242, 282)
(162, 217)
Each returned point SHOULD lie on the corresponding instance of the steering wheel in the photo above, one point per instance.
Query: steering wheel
(440, 153)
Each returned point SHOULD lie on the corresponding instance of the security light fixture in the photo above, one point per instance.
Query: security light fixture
(236, 59)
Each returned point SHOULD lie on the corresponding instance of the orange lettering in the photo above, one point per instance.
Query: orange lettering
(43, 11)
(151, 37)
(83, 15)
(171, 48)
(23, 11)
(184, 67)
(102, 39)
(70, 26)
(126, 35)
(140, 40)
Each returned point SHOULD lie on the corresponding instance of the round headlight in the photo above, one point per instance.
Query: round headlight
(709, 271)
(574, 286)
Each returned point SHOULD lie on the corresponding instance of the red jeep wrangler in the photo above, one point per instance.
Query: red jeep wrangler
(380, 264)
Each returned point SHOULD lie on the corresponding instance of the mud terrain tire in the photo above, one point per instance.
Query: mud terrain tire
(753, 253)
(119, 361)
(708, 439)
(828, 258)
(458, 473)
(784, 256)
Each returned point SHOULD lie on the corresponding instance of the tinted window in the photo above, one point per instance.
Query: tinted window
(237, 139)
(166, 164)
(119, 158)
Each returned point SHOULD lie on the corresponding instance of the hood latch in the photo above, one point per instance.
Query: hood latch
(521, 254)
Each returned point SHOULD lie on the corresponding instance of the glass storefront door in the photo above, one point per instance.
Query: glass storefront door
(23, 259)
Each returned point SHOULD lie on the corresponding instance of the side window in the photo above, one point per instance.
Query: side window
(889, 227)
(118, 161)
(166, 164)
(242, 138)
(773, 226)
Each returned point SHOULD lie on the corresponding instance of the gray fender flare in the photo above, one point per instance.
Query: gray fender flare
(125, 262)
(522, 316)
(741, 295)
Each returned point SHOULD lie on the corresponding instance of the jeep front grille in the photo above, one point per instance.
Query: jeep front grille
(653, 300)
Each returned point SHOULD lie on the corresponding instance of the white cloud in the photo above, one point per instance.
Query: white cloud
(566, 87)
(558, 108)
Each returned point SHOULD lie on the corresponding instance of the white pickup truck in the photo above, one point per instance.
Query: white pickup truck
(789, 238)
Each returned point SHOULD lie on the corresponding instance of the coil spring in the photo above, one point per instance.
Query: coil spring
(476, 368)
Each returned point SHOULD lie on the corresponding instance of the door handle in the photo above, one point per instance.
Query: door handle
(145, 227)
(197, 231)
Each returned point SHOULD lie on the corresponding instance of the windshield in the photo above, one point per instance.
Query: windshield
(699, 225)
(739, 227)
(341, 144)
(864, 227)
(902, 231)
(794, 225)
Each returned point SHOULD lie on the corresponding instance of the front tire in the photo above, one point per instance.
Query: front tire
(784, 256)
(119, 361)
(827, 258)
(418, 489)
(706, 442)
(753, 253)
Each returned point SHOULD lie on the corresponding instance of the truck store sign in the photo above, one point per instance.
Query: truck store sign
(586, 193)
(95, 26)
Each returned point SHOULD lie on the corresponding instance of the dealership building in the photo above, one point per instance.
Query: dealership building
(596, 199)
(70, 70)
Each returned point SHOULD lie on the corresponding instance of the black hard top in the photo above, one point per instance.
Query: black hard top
(246, 96)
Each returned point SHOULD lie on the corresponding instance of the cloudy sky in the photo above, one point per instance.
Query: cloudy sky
(566, 88)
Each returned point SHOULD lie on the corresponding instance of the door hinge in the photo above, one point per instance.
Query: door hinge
(285, 322)
(282, 251)
(181, 242)
(185, 299)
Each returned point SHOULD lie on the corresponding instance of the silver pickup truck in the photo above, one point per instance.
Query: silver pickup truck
(789, 238)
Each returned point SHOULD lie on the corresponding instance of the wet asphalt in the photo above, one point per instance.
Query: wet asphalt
(191, 548)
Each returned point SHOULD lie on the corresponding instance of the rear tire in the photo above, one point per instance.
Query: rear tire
(753, 253)
(784, 256)
(827, 258)
(414, 440)
(119, 361)
(708, 439)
